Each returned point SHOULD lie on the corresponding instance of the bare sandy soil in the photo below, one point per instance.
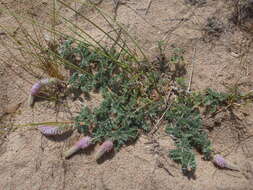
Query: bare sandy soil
(31, 161)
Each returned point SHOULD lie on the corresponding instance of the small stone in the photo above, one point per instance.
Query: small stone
(233, 54)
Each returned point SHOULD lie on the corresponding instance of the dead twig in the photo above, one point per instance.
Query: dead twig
(193, 59)
(159, 164)
(145, 20)
(155, 128)
(148, 7)
(158, 122)
(220, 110)
(157, 151)
(117, 3)
(95, 3)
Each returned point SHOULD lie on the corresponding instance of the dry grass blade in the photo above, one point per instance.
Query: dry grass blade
(107, 18)
(115, 40)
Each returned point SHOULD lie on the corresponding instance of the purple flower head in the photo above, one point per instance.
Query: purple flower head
(49, 130)
(84, 142)
(43, 82)
(220, 161)
(35, 88)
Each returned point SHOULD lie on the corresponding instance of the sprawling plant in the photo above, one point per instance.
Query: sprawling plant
(134, 98)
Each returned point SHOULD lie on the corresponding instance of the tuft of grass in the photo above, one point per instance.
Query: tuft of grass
(38, 43)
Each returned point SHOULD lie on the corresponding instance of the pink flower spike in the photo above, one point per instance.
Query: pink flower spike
(43, 82)
(81, 144)
(219, 161)
(107, 146)
(49, 130)
(36, 88)
(222, 163)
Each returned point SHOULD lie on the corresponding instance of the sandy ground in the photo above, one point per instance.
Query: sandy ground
(31, 161)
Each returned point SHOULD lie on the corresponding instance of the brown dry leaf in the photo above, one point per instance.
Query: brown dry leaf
(155, 95)
(12, 108)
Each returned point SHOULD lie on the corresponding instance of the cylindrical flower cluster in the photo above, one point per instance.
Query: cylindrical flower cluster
(36, 88)
(81, 144)
(107, 146)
